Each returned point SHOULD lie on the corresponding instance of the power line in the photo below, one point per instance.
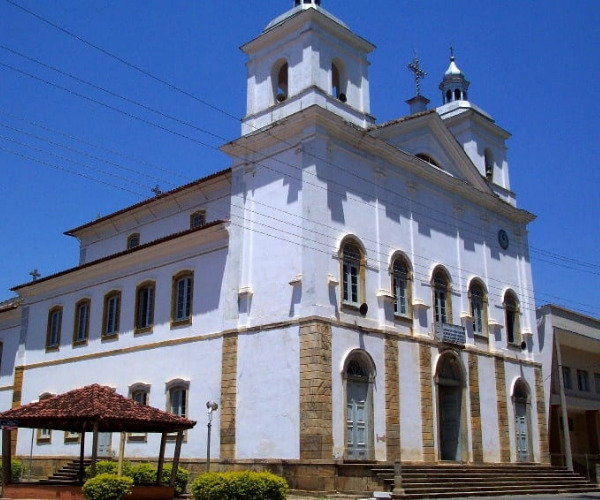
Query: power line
(152, 76)
(128, 64)
(169, 129)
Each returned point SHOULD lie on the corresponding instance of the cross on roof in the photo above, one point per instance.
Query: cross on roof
(415, 67)
(156, 190)
(35, 274)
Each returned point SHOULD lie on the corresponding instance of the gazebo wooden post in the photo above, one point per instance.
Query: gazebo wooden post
(176, 458)
(81, 455)
(95, 449)
(121, 454)
(161, 457)
(6, 459)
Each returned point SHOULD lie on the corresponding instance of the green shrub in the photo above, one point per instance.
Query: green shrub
(244, 485)
(143, 474)
(181, 479)
(211, 485)
(108, 467)
(107, 487)
(16, 469)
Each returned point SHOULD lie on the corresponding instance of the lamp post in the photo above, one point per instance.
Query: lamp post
(212, 407)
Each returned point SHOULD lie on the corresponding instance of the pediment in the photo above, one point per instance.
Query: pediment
(427, 137)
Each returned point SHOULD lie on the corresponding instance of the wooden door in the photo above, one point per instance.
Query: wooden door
(357, 420)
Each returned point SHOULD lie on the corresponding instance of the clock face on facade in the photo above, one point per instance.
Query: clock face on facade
(503, 239)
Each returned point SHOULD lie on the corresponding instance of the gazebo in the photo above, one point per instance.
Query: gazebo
(94, 408)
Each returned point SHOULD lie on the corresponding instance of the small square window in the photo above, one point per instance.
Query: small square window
(198, 219)
(133, 241)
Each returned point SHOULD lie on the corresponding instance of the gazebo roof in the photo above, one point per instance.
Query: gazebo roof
(78, 410)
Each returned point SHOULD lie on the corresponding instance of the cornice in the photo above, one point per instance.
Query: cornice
(153, 251)
(290, 131)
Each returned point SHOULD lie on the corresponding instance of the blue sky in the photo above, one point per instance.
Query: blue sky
(70, 152)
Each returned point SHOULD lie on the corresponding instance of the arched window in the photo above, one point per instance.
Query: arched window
(457, 95)
(112, 314)
(489, 164)
(181, 298)
(280, 78)
(144, 307)
(54, 328)
(352, 273)
(133, 241)
(448, 96)
(442, 297)
(401, 286)
(359, 375)
(511, 318)
(478, 300)
(140, 393)
(81, 325)
(177, 399)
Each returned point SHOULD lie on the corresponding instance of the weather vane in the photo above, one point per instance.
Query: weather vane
(415, 67)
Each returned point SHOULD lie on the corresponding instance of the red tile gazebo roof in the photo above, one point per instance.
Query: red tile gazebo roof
(80, 409)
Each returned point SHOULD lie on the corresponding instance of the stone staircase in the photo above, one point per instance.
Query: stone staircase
(67, 474)
(459, 480)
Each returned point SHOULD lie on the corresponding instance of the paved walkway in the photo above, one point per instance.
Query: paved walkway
(571, 496)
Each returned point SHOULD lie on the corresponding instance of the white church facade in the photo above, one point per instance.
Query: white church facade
(348, 292)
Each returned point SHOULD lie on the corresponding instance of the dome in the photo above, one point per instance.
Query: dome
(453, 69)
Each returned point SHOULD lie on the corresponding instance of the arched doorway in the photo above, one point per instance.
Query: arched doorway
(450, 408)
(359, 374)
(521, 404)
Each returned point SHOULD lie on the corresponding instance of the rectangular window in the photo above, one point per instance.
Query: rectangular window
(583, 382)
(44, 436)
(566, 373)
(400, 305)
(178, 403)
(350, 271)
(82, 322)
(54, 327)
(72, 437)
(597, 382)
(440, 306)
(144, 319)
(112, 311)
(182, 298)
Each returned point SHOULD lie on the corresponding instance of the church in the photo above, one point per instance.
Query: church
(348, 292)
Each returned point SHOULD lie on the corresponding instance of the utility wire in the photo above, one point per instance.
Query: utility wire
(125, 62)
(154, 77)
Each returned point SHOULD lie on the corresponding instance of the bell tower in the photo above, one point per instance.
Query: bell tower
(303, 58)
(477, 132)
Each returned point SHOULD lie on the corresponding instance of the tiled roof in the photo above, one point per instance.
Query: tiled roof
(78, 410)
(166, 194)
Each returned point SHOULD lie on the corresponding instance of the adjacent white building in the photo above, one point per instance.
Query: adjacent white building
(347, 291)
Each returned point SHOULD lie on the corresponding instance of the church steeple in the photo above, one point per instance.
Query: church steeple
(454, 86)
(307, 57)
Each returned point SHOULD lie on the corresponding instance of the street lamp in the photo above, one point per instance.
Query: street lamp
(212, 407)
